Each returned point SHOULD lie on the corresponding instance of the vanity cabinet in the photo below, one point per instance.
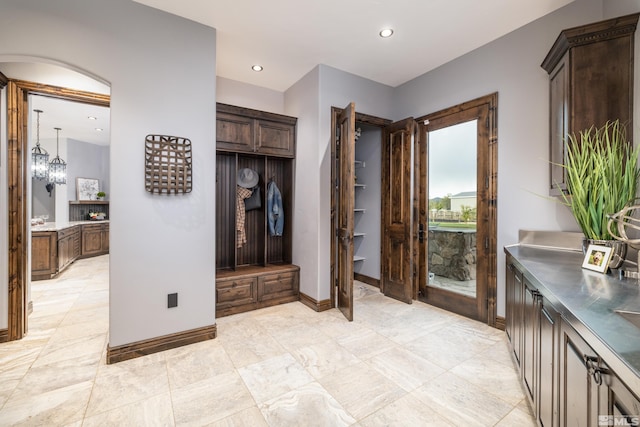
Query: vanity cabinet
(590, 82)
(566, 381)
(257, 271)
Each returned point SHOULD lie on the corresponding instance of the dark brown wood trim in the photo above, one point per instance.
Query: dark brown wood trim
(366, 279)
(486, 300)
(255, 114)
(17, 146)
(500, 323)
(3, 80)
(155, 345)
(318, 306)
(64, 93)
(17, 178)
(4, 335)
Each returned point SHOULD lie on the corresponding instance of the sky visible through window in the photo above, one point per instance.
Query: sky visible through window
(452, 159)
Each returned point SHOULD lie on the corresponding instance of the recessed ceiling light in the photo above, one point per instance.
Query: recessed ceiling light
(92, 118)
(386, 32)
(99, 129)
(257, 68)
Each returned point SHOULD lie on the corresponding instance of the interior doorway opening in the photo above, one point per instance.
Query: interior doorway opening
(19, 210)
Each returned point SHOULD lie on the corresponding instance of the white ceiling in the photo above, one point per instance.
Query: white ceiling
(71, 117)
(290, 37)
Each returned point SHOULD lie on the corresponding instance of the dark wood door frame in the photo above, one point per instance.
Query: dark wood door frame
(487, 196)
(18, 92)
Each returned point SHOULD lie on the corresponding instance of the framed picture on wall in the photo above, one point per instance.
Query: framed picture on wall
(87, 188)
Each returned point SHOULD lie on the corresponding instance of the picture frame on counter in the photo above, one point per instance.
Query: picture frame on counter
(597, 258)
(87, 188)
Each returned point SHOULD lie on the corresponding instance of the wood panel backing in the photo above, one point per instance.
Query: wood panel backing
(253, 252)
(279, 247)
(225, 210)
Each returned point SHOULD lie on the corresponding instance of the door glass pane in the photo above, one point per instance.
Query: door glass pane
(452, 209)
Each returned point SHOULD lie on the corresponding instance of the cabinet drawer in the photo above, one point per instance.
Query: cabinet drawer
(278, 285)
(68, 232)
(234, 292)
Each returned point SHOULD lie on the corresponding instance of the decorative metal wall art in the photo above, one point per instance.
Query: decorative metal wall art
(168, 164)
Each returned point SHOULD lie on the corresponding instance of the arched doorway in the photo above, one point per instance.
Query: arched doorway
(18, 178)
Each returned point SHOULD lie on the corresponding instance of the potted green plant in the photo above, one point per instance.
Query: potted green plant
(602, 179)
(101, 195)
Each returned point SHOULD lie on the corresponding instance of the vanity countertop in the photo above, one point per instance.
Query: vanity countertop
(57, 226)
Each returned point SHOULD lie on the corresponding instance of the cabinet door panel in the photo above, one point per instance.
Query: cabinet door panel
(275, 138)
(91, 240)
(43, 253)
(578, 391)
(528, 340)
(547, 365)
(234, 133)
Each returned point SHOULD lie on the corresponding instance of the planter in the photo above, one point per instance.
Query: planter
(618, 253)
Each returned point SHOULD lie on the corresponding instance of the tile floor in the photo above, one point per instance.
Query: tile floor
(396, 364)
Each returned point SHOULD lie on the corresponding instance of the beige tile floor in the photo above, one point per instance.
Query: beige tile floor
(396, 364)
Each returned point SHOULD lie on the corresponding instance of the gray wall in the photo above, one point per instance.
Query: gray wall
(511, 67)
(156, 64)
(311, 100)
(86, 160)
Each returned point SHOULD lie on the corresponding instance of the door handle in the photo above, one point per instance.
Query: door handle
(421, 233)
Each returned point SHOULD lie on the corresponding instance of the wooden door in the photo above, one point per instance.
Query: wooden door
(397, 261)
(458, 259)
(345, 159)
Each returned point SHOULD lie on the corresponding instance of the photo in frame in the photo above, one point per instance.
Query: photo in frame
(597, 258)
(87, 188)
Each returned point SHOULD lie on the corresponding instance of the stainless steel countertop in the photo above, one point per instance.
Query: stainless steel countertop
(587, 300)
(57, 226)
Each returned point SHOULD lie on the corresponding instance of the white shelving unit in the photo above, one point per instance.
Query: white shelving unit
(359, 165)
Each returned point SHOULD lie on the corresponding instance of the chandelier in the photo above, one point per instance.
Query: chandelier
(39, 156)
(58, 167)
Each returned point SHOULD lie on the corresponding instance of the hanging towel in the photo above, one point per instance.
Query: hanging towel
(275, 212)
(241, 193)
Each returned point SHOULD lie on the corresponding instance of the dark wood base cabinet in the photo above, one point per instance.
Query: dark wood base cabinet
(566, 381)
(53, 251)
(250, 288)
(95, 240)
(44, 255)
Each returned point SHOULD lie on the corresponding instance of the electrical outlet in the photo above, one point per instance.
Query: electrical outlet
(172, 300)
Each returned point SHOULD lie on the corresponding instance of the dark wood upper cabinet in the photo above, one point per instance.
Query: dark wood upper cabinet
(243, 130)
(590, 82)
